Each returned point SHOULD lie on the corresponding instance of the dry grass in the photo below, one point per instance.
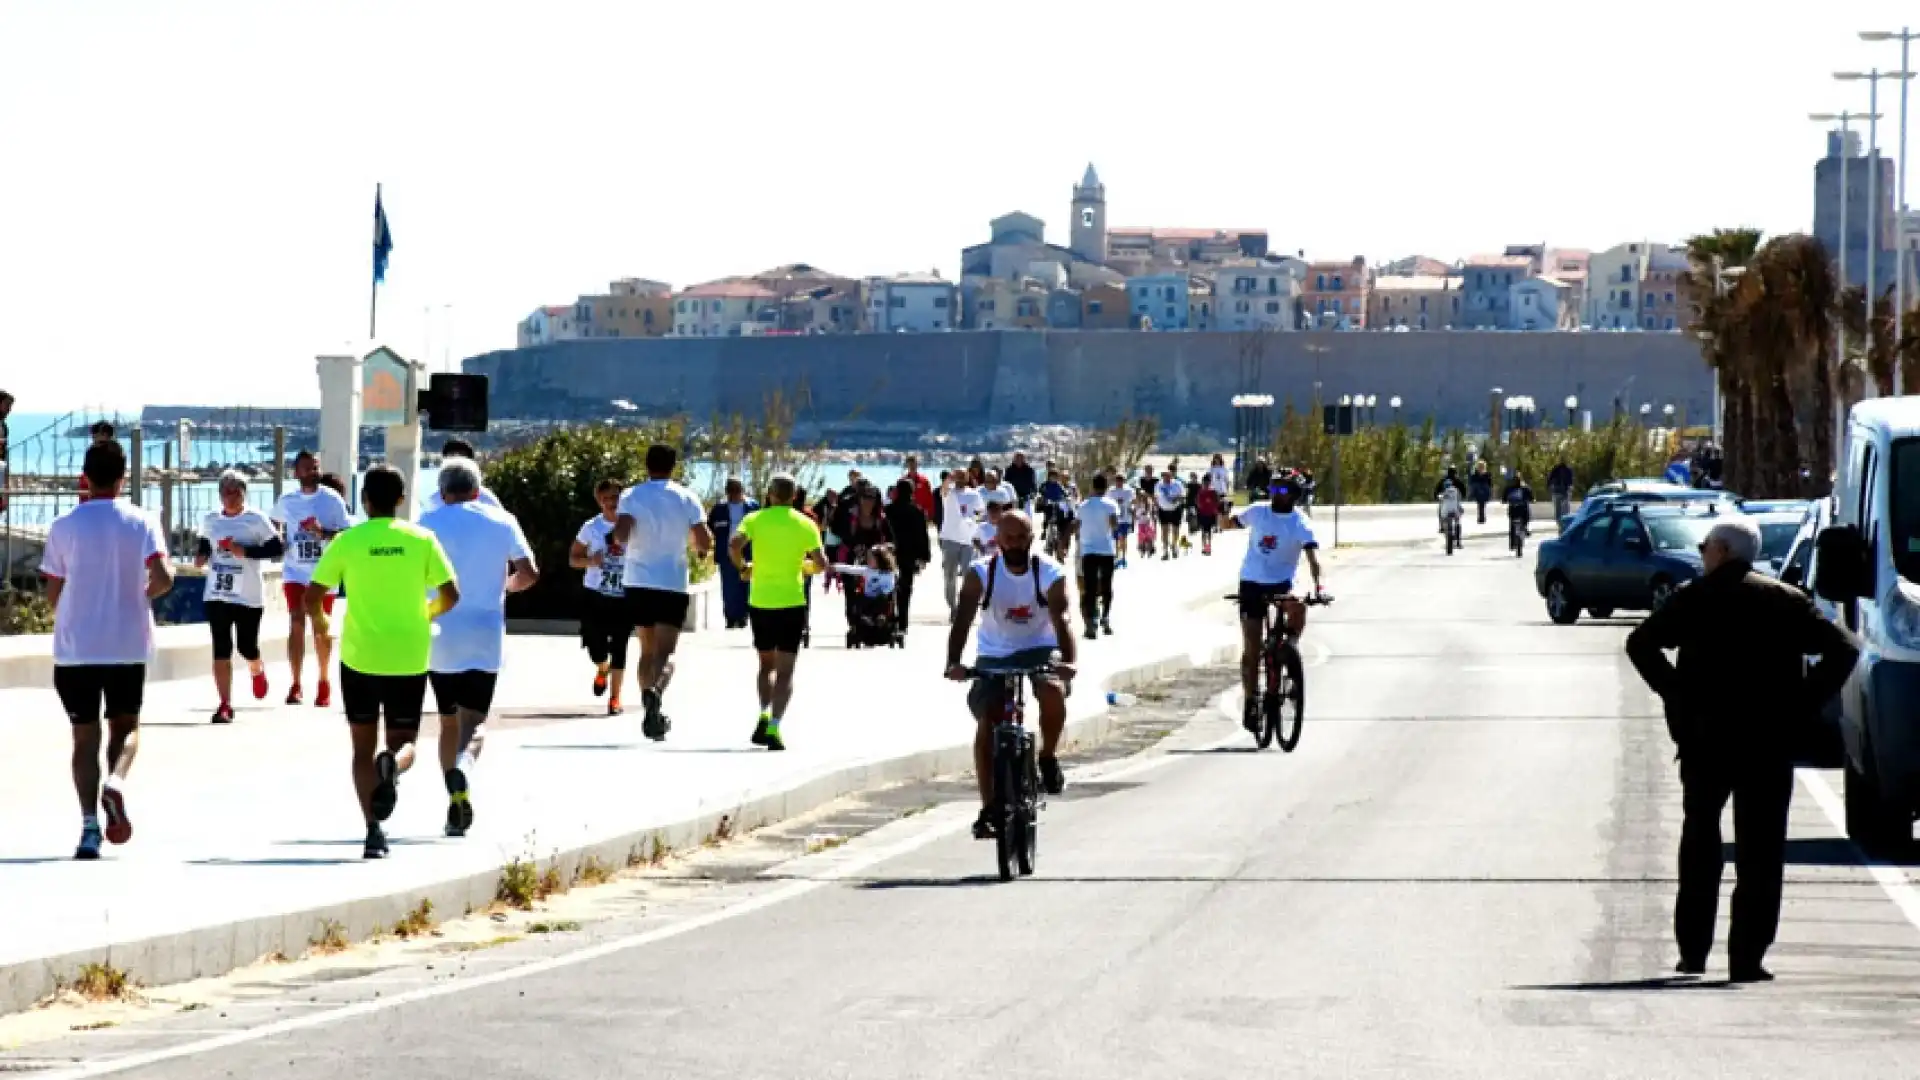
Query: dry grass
(331, 939)
(594, 872)
(102, 982)
(562, 926)
(417, 922)
(818, 844)
(519, 884)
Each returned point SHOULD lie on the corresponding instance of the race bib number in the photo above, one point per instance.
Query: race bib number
(223, 582)
(307, 549)
(611, 578)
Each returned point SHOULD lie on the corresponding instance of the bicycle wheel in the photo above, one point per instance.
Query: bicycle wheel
(1286, 720)
(1007, 796)
(1269, 693)
(1449, 539)
(1027, 847)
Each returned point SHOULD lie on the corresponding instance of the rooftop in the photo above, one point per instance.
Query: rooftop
(730, 290)
(1184, 234)
(919, 278)
(1415, 283)
(1516, 261)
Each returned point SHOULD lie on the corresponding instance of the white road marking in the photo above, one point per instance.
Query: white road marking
(1892, 881)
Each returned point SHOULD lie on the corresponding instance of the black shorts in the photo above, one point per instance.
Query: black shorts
(228, 620)
(85, 688)
(1209, 522)
(1255, 596)
(777, 629)
(367, 697)
(456, 690)
(1171, 519)
(657, 607)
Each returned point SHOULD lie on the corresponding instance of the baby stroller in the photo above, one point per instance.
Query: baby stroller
(871, 623)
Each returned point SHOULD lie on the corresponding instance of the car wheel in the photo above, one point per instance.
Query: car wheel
(1878, 828)
(1560, 605)
(1663, 591)
(1600, 612)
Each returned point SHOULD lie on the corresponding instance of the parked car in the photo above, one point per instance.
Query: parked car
(1867, 563)
(1626, 556)
(1778, 531)
(1642, 492)
(1778, 506)
(1823, 749)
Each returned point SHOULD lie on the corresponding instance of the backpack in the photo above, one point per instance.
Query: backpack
(993, 570)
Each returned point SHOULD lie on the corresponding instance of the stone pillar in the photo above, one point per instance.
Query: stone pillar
(340, 421)
(403, 453)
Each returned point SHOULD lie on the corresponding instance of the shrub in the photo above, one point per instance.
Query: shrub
(24, 612)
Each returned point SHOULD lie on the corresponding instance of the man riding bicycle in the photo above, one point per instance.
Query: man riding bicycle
(1280, 534)
(1056, 513)
(1519, 500)
(1459, 488)
(1022, 598)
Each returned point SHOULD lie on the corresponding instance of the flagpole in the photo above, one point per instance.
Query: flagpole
(373, 305)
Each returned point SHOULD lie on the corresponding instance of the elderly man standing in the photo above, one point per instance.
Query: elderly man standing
(724, 520)
(1732, 705)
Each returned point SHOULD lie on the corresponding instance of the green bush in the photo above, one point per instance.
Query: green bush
(1400, 463)
(548, 484)
(24, 612)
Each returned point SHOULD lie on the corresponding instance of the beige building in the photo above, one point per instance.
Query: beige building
(1614, 284)
(997, 304)
(628, 315)
(1417, 302)
(547, 325)
(1334, 294)
(1255, 296)
(727, 308)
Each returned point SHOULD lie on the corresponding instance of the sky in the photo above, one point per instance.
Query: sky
(187, 189)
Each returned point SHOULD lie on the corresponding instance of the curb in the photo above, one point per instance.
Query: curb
(216, 950)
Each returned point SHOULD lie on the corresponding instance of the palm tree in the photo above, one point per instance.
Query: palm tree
(1716, 262)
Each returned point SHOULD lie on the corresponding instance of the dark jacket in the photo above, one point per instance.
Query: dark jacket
(1480, 486)
(1739, 692)
(1023, 480)
(721, 522)
(909, 528)
(1560, 479)
(1259, 478)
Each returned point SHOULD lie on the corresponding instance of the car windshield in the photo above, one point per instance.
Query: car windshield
(1678, 534)
(1904, 482)
(1776, 538)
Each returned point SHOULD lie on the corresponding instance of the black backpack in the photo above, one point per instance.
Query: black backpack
(993, 570)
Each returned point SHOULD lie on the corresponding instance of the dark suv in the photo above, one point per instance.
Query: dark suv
(1625, 556)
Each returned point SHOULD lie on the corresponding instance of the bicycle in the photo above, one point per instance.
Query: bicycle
(1017, 792)
(1450, 525)
(1516, 535)
(1282, 679)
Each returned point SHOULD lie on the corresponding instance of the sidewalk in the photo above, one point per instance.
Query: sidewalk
(247, 838)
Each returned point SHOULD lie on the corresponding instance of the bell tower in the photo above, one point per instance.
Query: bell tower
(1089, 239)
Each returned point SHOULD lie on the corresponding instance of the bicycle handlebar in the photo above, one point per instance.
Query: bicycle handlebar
(1310, 599)
(1007, 673)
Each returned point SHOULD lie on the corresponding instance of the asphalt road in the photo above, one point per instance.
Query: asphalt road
(1464, 871)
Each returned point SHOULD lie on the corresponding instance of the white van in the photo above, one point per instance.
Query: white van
(1868, 563)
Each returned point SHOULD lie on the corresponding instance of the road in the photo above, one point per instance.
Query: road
(1464, 871)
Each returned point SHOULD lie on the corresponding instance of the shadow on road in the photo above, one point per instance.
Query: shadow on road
(1828, 851)
(1663, 982)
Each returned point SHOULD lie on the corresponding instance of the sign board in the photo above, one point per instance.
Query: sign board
(386, 389)
(1337, 419)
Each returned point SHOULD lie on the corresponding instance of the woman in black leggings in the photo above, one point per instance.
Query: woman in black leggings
(233, 541)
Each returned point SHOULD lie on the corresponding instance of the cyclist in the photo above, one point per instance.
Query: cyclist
(1519, 500)
(1450, 480)
(1280, 535)
(1451, 505)
(1023, 600)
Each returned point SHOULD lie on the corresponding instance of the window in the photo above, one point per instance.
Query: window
(1320, 281)
(1168, 292)
(1143, 292)
(1093, 307)
(986, 305)
(1241, 307)
(1273, 286)
(1626, 273)
(1336, 283)
(896, 301)
(940, 302)
(1650, 300)
(1423, 304)
(1669, 298)
(1204, 310)
(1170, 315)
(1273, 307)
(1423, 322)
(718, 307)
(1649, 322)
(646, 317)
(1669, 324)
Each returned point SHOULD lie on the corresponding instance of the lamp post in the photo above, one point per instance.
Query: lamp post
(1646, 413)
(1872, 79)
(1905, 38)
(1394, 404)
(1494, 416)
(1373, 400)
(1572, 404)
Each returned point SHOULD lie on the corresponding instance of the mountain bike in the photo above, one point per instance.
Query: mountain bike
(1017, 793)
(1450, 525)
(1282, 681)
(1516, 535)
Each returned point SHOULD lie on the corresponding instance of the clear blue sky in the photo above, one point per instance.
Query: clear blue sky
(185, 213)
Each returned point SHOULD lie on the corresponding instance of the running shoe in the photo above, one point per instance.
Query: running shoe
(760, 731)
(293, 695)
(223, 715)
(654, 725)
(986, 826)
(376, 843)
(459, 803)
(599, 683)
(1051, 777)
(1093, 631)
(89, 848)
(260, 686)
(614, 708)
(324, 696)
(774, 742)
(113, 806)
(386, 787)
(1106, 627)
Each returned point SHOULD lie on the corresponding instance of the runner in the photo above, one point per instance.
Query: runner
(309, 517)
(658, 519)
(458, 448)
(1169, 499)
(1099, 518)
(233, 540)
(786, 546)
(1206, 506)
(388, 567)
(1122, 497)
(1025, 621)
(104, 562)
(606, 624)
(490, 558)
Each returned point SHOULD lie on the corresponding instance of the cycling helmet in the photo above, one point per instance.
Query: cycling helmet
(1289, 479)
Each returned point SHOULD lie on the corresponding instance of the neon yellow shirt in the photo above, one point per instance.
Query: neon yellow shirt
(782, 538)
(388, 567)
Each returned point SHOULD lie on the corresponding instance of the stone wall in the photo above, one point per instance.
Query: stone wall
(955, 380)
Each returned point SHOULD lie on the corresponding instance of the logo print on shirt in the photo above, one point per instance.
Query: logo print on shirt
(1269, 544)
(1021, 615)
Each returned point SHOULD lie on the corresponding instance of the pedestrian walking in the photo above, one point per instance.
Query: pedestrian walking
(1021, 478)
(922, 489)
(490, 558)
(1099, 518)
(401, 582)
(659, 520)
(722, 520)
(308, 517)
(774, 549)
(912, 550)
(233, 541)
(1480, 487)
(105, 561)
(962, 510)
(1560, 486)
(1733, 704)
(606, 624)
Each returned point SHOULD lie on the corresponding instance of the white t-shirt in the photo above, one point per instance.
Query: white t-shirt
(1016, 619)
(235, 579)
(486, 498)
(480, 541)
(609, 578)
(324, 506)
(1004, 494)
(963, 508)
(986, 537)
(874, 582)
(663, 512)
(1274, 543)
(1097, 518)
(1169, 495)
(1219, 474)
(100, 549)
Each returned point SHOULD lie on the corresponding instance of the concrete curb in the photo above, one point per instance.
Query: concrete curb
(217, 950)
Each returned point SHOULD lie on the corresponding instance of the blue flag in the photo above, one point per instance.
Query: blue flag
(1680, 473)
(382, 239)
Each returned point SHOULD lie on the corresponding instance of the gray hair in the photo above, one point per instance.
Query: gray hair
(233, 478)
(1740, 536)
(459, 479)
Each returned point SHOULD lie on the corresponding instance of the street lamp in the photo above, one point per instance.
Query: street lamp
(1905, 38)
(1572, 404)
(1394, 404)
(1872, 78)
(1667, 411)
(1372, 401)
